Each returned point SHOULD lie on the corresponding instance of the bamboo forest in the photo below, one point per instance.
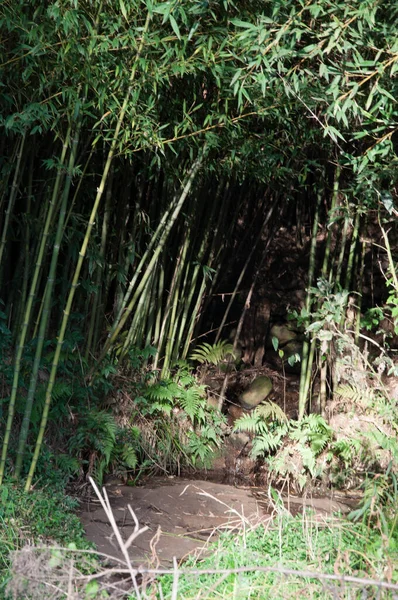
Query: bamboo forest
(198, 299)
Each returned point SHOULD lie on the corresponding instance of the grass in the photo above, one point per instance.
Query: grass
(302, 557)
(301, 544)
(43, 516)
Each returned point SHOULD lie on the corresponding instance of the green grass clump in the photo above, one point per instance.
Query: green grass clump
(40, 517)
(301, 544)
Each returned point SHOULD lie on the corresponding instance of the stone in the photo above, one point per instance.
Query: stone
(257, 391)
(282, 333)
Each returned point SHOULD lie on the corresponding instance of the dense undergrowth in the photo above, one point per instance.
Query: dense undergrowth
(150, 151)
(46, 516)
(303, 544)
(284, 557)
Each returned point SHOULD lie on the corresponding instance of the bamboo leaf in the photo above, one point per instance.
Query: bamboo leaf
(123, 9)
(175, 27)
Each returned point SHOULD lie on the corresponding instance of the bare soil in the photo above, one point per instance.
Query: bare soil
(182, 516)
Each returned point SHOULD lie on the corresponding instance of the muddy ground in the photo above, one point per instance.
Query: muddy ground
(183, 516)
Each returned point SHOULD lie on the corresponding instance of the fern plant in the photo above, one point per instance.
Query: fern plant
(268, 423)
(213, 354)
(187, 430)
(99, 443)
(185, 394)
(357, 394)
(312, 431)
(346, 450)
(290, 448)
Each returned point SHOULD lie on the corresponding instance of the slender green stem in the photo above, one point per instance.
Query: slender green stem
(28, 308)
(307, 355)
(171, 337)
(335, 193)
(82, 254)
(343, 244)
(244, 269)
(351, 255)
(45, 315)
(94, 320)
(190, 179)
(13, 195)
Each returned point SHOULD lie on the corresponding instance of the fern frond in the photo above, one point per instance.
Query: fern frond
(68, 464)
(163, 407)
(308, 457)
(213, 354)
(268, 442)
(355, 393)
(191, 401)
(249, 422)
(162, 391)
(270, 411)
(129, 456)
(314, 431)
(346, 449)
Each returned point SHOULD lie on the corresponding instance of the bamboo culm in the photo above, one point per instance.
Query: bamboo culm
(82, 254)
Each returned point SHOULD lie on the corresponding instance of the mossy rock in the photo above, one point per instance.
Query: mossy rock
(283, 333)
(257, 391)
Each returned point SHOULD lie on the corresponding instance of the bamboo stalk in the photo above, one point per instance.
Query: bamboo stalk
(45, 316)
(158, 321)
(94, 320)
(28, 308)
(359, 290)
(335, 193)
(127, 312)
(244, 269)
(343, 245)
(82, 253)
(11, 201)
(307, 355)
(351, 255)
(170, 344)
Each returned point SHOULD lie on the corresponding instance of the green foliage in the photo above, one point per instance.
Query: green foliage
(41, 516)
(182, 391)
(187, 430)
(312, 431)
(345, 449)
(372, 318)
(213, 354)
(269, 424)
(356, 393)
(331, 64)
(379, 502)
(100, 444)
(327, 313)
(290, 448)
(302, 544)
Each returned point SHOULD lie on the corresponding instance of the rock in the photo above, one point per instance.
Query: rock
(257, 391)
(236, 412)
(282, 333)
(239, 440)
(212, 401)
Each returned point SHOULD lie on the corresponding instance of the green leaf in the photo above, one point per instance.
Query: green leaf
(387, 200)
(243, 24)
(175, 27)
(123, 9)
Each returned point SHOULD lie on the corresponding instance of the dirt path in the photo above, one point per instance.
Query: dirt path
(183, 515)
(187, 513)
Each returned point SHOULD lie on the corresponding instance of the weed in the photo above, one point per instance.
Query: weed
(40, 516)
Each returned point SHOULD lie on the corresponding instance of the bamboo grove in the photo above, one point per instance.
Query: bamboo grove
(150, 149)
